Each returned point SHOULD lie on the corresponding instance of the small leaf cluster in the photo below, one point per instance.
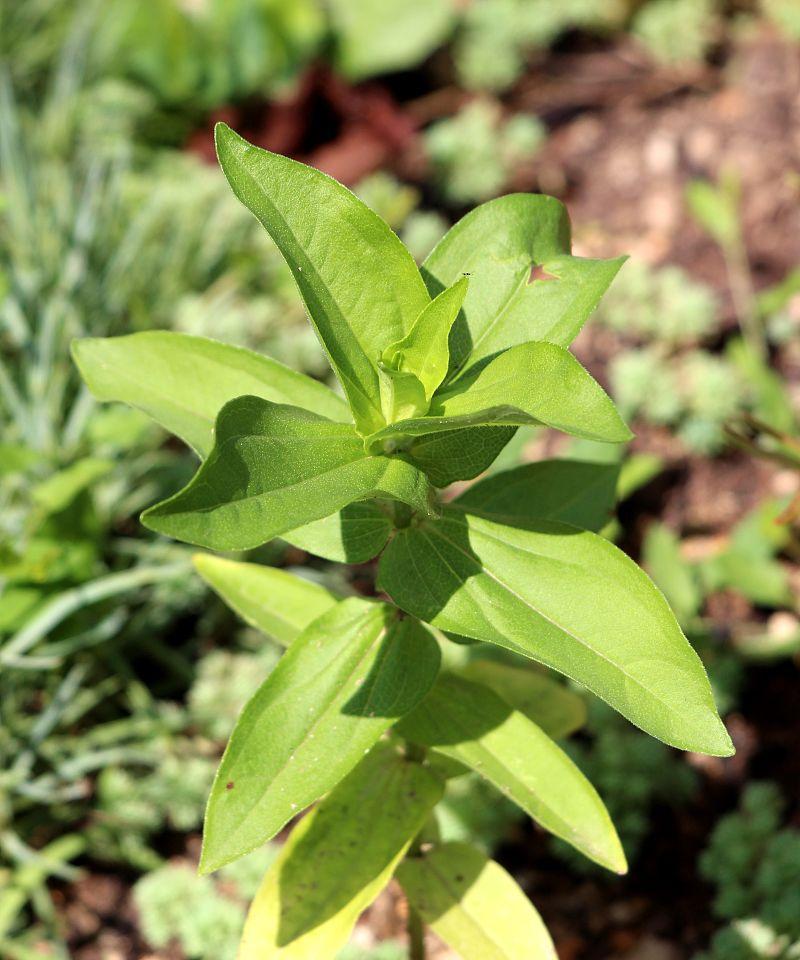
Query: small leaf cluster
(474, 153)
(496, 37)
(364, 718)
(755, 867)
(668, 379)
(677, 32)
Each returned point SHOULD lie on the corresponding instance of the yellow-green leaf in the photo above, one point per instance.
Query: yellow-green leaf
(469, 723)
(278, 603)
(183, 382)
(557, 710)
(424, 350)
(568, 599)
(474, 905)
(338, 859)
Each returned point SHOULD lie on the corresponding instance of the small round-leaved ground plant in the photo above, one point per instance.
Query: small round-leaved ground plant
(438, 367)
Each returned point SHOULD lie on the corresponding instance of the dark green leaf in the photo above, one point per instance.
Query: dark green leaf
(570, 491)
(458, 454)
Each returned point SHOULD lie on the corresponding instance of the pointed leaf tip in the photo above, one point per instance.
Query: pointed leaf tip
(361, 286)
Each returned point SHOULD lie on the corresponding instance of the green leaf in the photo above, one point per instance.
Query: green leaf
(748, 563)
(533, 383)
(570, 491)
(469, 723)
(360, 285)
(370, 42)
(275, 468)
(765, 583)
(182, 382)
(355, 534)
(338, 859)
(59, 489)
(402, 394)
(497, 245)
(15, 458)
(770, 398)
(424, 351)
(716, 207)
(568, 599)
(458, 454)
(551, 706)
(342, 683)
(276, 602)
(662, 558)
(474, 905)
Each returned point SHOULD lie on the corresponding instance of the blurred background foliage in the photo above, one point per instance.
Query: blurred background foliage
(120, 675)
